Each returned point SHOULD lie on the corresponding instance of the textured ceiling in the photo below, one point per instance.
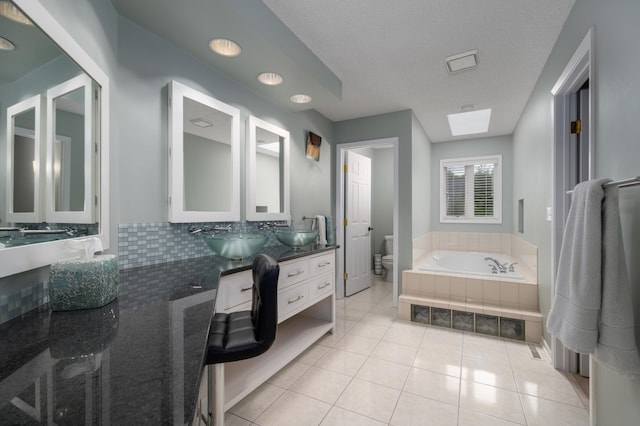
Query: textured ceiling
(389, 55)
(362, 57)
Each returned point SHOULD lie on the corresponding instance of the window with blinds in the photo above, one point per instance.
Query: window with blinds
(470, 190)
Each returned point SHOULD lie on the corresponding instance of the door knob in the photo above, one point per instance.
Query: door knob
(370, 229)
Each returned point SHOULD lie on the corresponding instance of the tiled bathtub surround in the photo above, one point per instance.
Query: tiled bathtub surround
(495, 296)
(144, 244)
(525, 253)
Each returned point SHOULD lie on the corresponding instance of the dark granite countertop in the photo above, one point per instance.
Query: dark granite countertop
(137, 360)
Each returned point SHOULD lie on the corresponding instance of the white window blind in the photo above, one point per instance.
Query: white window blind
(470, 190)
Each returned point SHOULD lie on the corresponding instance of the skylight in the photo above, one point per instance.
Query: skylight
(469, 123)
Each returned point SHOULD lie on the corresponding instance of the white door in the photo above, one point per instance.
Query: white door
(357, 262)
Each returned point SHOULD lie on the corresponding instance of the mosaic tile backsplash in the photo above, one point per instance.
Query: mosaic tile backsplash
(143, 244)
(21, 293)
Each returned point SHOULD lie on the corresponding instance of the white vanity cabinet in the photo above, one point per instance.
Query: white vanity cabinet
(306, 311)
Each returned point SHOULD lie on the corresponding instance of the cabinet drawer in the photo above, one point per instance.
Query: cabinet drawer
(234, 289)
(321, 286)
(322, 263)
(292, 300)
(292, 272)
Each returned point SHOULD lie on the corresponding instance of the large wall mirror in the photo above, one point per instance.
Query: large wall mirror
(204, 157)
(267, 171)
(54, 130)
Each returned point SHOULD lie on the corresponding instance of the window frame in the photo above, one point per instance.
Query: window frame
(497, 191)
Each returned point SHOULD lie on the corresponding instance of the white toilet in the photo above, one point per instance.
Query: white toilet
(387, 259)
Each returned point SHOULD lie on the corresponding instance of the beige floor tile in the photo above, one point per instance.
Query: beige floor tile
(394, 352)
(321, 384)
(342, 362)
(473, 418)
(371, 331)
(491, 400)
(340, 417)
(377, 370)
(489, 373)
(416, 410)
(233, 420)
(312, 355)
(486, 348)
(351, 314)
(543, 412)
(432, 385)
(442, 339)
(556, 388)
(369, 399)
(256, 402)
(385, 373)
(405, 333)
(439, 362)
(329, 340)
(295, 410)
(289, 374)
(357, 344)
(385, 316)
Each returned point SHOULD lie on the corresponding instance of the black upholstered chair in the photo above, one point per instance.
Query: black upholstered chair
(244, 334)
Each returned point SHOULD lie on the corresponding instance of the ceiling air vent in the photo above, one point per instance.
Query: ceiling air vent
(462, 61)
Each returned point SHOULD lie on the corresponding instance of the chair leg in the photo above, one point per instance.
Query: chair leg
(216, 394)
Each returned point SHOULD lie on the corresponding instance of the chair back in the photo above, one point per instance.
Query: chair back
(265, 299)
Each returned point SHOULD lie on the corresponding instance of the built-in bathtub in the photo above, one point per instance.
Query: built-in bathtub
(459, 289)
(473, 263)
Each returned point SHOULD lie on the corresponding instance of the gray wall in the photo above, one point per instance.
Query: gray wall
(395, 124)
(147, 64)
(617, 151)
(471, 148)
(421, 195)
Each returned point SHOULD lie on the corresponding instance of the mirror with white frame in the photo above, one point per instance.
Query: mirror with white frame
(267, 171)
(204, 157)
(66, 201)
(70, 151)
(24, 165)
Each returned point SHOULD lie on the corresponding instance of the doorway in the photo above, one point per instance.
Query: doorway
(573, 153)
(344, 257)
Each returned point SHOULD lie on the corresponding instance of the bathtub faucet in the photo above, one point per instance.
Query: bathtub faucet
(502, 268)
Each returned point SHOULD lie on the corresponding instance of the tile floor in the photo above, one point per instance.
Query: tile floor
(377, 370)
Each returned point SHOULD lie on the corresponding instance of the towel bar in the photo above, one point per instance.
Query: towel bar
(622, 183)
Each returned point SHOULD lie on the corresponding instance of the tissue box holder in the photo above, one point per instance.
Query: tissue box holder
(83, 283)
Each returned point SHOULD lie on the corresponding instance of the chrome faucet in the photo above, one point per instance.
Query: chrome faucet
(265, 226)
(500, 267)
(193, 230)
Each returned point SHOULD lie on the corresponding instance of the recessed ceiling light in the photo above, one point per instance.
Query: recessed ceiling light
(6, 44)
(300, 99)
(225, 47)
(200, 122)
(270, 78)
(469, 123)
(12, 12)
(462, 61)
(467, 107)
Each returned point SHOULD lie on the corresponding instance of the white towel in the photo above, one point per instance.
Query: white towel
(573, 317)
(322, 229)
(616, 346)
